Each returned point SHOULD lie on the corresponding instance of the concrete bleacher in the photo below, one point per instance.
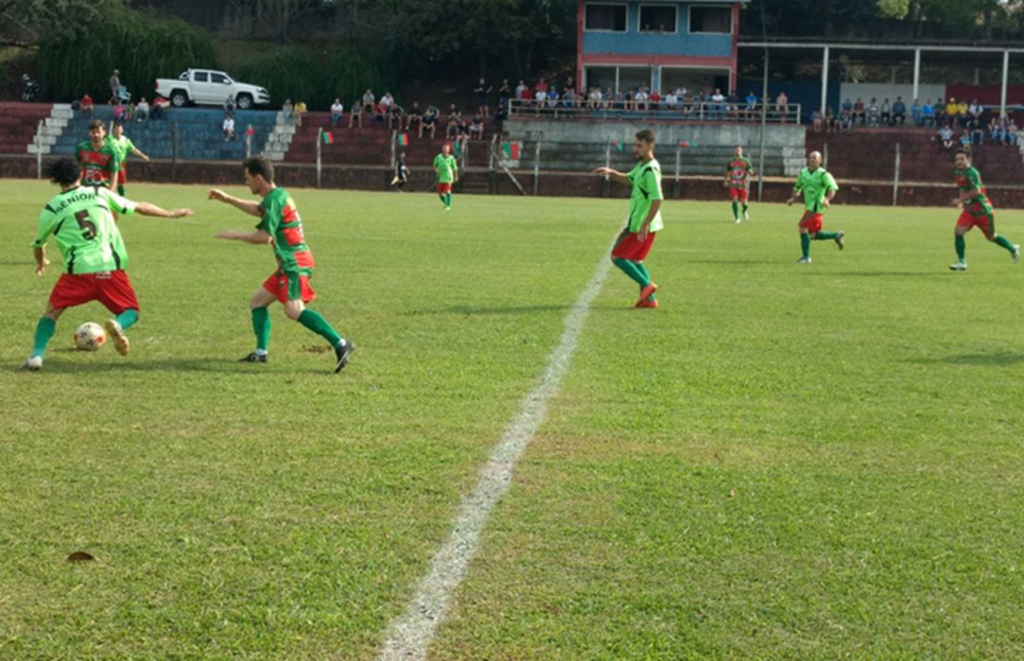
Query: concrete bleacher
(870, 155)
(200, 133)
(18, 124)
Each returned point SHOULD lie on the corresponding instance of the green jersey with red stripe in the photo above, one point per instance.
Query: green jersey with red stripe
(739, 171)
(970, 179)
(99, 166)
(281, 220)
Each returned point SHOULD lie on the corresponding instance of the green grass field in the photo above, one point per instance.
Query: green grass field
(781, 462)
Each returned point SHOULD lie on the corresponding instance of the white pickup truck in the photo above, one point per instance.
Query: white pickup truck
(209, 88)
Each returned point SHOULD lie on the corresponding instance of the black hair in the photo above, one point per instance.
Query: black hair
(63, 171)
(647, 135)
(258, 165)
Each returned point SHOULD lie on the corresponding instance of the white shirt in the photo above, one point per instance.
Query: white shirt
(337, 108)
(387, 100)
(229, 124)
(142, 107)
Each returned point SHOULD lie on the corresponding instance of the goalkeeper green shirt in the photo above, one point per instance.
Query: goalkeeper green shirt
(815, 186)
(646, 180)
(82, 222)
(446, 168)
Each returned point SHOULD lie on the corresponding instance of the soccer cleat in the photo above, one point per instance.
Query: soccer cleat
(648, 291)
(1016, 253)
(839, 239)
(959, 266)
(254, 358)
(746, 216)
(33, 363)
(117, 335)
(447, 208)
(804, 260)
(343, 354)
(646, 304)
(738, 221)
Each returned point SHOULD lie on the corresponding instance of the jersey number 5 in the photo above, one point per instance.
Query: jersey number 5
(88, 227)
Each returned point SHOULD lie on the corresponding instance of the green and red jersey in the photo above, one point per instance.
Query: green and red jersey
(970, 179)
(280, 219)
(99, 166)
(646, 180)
(82, 222)
(739, 171)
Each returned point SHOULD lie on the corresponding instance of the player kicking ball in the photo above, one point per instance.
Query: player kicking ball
(977, 212)
(818, 188)
(81, 219)
(280, 226)
(644, 222)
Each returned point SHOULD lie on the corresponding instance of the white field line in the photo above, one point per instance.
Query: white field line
(410, 635)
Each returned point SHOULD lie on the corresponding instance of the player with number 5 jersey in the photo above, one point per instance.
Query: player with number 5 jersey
(81, 220)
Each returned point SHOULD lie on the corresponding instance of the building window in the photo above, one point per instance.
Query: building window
(658, 18)
(711, 20)
(606, 18)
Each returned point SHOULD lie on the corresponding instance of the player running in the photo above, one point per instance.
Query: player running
(281, 226)
(447, 175)
(123, 145)
(644, 222)
(81, 220)
(98, 157)
(977, 211)
(818, 188)
(401, 173)
(737, 179)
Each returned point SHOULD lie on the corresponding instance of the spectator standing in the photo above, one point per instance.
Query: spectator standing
(115, 88)
(504, 93)
(289, 111)
(899, 111)
(355, 116)
(337, 110)
(229, 106)
(368, 101)
(229, 128)
(142, 110)
(300, 111)
(482, 91)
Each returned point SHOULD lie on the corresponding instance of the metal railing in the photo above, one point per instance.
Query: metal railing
(705, 111)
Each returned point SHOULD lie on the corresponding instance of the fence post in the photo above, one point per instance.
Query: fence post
(896, 178)
(174, 151)
(394, 139)
(824, 155)
(248, 144)
(536, 166)
(39, 150)
(679, 154)
(606, 186)
(319, 164)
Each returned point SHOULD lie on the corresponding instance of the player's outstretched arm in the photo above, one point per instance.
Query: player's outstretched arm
(249, 207)
(616, 176)
(147, 209)
(258, 237)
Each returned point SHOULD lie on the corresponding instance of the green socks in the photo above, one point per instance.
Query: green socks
(127, 318)
(44, 331)
(631, 269)
(314, 322)
(261, 326)
(446, 199)
(961, 248)
(1003, 242)
(735, 210)
(826, 236)
(647, 276)
(120, 190)
(805, 244)
(745, 207)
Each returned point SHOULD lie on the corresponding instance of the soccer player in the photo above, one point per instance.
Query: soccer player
(644, 222)
(818, 188)
(447, 175)
(123, 145)
(737, 179)
(81, 220)
(98, 157)
(977, 211)
(280, 226)
(401, 173)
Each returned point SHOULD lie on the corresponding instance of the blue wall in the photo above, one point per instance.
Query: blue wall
(805, 92)
(634, 42)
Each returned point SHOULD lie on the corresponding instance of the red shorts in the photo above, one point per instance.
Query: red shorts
(739, 194)
(444, 188)
(628, 246)
(982, 221)
(122, 176)
(811, 222)
(290, 287)
(112, 289)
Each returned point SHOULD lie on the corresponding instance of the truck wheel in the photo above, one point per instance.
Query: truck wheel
(244, 101)
(179, 99)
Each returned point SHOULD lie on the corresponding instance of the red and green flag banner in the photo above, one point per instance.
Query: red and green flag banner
(511, 150)
(403, 139)
(686, 145)
(457, 149)
(328, 138)
(618, 144)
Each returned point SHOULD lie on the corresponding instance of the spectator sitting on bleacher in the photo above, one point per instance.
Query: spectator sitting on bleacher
(380, 115)
(569, 98)
(355, 115)
(940, 112)
(831, 122)
(594, 99)
(87, 105)
(671, 101)
(1011, 134)
(946, 137)
(978, 134)
(229, 128)
(414, 115)
(289, 111)
(451, 127)
(300, 112)
(718, 104)
(917, 112)
(655, 99)
(965, 139)
(974, 112)
(782, 106)
(337, 110)
(846, 120)
(858, 111)
(430, 118)
(369, 100)
(886, 113)
(899, 111)
(142, 110)
(751, 104)
(387, 100)
(395, 116)
(476, 128)
(158, 106)
(951, 112)
(817, 121)
(120, 111)
(553, 99)
(872, 114)
(539, 98)
(995, 131)
(963, 113)
(928, 114)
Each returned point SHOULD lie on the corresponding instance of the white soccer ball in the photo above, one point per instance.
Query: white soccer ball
(90, 337)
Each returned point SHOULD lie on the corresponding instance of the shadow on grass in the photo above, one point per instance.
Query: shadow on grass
(733, 261)
(466, 309)
(883, 274)
(218, 365)
(1001, 359)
